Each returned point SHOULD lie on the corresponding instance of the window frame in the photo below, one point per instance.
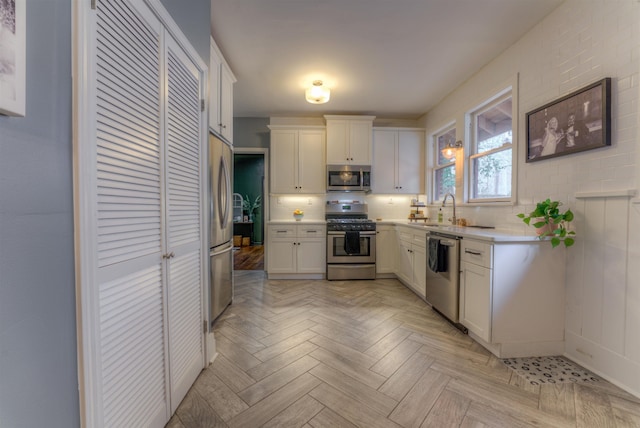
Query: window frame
(436, 161)
(472, 145)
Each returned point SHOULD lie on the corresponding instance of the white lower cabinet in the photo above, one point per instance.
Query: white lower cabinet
(386, 249)
(512, 296)
(475, 286)
(412, 259)
(296, 250)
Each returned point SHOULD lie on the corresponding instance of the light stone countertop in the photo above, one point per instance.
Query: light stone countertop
(492, 235)
(292, 221)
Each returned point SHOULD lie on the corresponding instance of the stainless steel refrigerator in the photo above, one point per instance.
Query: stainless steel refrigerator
(220, 227)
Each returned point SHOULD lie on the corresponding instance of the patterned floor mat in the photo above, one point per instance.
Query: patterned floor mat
(543, 370)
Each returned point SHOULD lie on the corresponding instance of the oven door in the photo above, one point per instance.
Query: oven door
(336, 252)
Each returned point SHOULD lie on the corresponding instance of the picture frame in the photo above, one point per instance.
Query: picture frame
(574, 123)
(12, 57)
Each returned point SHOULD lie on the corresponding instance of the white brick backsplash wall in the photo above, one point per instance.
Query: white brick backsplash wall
(579, 43)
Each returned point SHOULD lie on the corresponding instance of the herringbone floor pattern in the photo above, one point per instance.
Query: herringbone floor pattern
(370, 354)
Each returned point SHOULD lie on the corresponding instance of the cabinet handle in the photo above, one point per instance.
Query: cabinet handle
(281, 231)
(169, 255)
(475, 253)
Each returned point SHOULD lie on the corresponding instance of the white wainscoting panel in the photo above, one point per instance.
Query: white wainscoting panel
(603, 288)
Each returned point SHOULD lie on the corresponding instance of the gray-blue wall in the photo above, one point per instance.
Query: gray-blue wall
(38, 364)
(194, 19)
(38, 368)
(251, 132)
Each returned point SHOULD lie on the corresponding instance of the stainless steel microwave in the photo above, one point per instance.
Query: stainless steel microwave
(348, 178)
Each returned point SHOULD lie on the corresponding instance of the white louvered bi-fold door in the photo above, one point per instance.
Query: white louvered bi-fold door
(148, 305)
(183, 156)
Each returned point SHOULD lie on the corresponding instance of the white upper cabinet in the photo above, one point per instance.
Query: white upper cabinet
(398, 161)
(297, 160)
(221, 81)
(349, 140)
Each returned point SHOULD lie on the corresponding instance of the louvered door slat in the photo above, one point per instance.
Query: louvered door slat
(131, 366)
(184, 190)
(185, 300)
(133, 388)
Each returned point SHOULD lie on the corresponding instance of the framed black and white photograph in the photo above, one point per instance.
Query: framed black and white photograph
(12, 57)
(574, 123)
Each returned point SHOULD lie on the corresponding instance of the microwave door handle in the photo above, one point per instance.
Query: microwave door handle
(361, 179)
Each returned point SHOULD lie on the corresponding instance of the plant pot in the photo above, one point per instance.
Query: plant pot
(544, 229)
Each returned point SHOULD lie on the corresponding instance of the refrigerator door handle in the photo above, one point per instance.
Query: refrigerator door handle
(217, 253)
(223, 193)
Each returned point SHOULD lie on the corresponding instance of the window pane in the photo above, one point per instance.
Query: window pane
(445, 182)
(493, 175)
(493, 126)
(443, 140)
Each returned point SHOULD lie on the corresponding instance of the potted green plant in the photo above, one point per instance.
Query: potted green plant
(249, 207)
(550, 221)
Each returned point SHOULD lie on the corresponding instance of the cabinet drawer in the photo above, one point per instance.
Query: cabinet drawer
(283, 231)
(405, 236)
(476, 252)
(311, 231)
(419, 239)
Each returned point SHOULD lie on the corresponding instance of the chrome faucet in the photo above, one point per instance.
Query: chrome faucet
(453, 198)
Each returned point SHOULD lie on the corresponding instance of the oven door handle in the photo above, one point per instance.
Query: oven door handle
(362, 233)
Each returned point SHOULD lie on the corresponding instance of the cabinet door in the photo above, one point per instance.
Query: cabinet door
(386, 250)
(282, 256)
(405, 262)
(311, 164)
(123, 306)
(184, 233)
(337, 142)
(475, 307)
(311, 255)
(226, 103)
(360, 140)
(215, 64)
(410, 161)
(384, 164)
(284, 161)
(420, 270)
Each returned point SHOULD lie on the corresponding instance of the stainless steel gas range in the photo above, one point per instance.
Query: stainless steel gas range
(351, 241)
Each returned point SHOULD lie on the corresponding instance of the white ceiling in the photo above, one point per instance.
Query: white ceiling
(389, 58)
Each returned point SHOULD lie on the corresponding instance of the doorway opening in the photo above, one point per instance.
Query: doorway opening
(249, 179)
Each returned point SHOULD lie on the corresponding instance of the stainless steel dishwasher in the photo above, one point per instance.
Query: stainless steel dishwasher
(443, 284)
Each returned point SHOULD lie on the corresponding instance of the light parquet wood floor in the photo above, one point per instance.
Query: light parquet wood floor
(370, 354)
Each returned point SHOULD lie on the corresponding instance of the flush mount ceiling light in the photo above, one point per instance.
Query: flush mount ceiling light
(317, 94)
(449, 151)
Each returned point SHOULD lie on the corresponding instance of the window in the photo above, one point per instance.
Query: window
(491, 151)
(444, 171)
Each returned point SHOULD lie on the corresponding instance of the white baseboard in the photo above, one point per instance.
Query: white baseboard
(517, 350)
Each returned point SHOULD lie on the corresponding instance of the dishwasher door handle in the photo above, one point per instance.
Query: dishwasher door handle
(447, 243)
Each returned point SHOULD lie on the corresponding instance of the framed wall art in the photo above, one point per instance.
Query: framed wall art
(574, 123)
(12, 57)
